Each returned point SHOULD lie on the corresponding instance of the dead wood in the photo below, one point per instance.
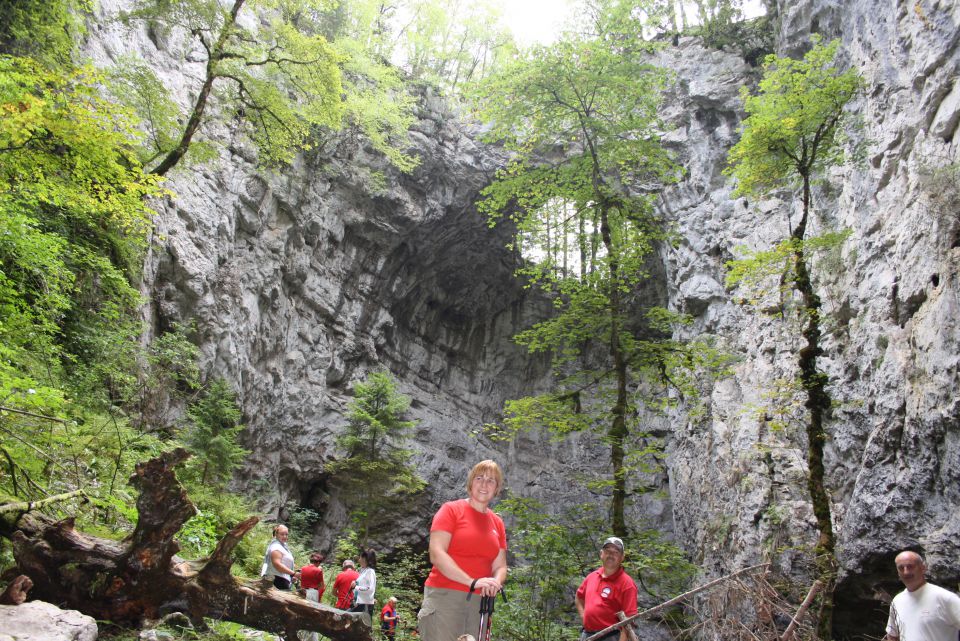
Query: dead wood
(141, 577)
(631, 633)
(743, 606)
(16, 592)
(795, 621)
(26, 506)
(675, 600)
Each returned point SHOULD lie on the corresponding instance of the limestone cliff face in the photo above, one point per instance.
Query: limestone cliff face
(890, 300)
(303, 281)
(302, 284)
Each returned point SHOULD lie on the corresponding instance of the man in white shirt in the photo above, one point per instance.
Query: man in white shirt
(924, 611)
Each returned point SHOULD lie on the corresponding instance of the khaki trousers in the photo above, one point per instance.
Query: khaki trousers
(446, 614)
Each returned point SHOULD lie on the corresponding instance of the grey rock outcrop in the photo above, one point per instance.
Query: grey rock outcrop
(41, 621)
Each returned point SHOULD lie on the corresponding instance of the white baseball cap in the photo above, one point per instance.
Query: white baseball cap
(614, 541)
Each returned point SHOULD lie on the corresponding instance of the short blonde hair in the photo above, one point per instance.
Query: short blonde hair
(488, 468)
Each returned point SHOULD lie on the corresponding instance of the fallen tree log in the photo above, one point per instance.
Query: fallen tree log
(140, 578)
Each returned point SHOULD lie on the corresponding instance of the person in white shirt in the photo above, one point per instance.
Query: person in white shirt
(278, 560)
(366, 583)
(924, 611)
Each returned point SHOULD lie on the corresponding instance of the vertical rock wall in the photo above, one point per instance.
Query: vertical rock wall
(890, 301)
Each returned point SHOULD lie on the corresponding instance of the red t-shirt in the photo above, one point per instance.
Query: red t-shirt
(341, 587)
(603, 597)
(476, 540)
(311, 577)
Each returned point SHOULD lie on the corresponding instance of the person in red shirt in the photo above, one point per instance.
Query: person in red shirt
(311, 581)
(342, 583)
(605, 592)
(311, 578)
(388, 618)
(468, 549)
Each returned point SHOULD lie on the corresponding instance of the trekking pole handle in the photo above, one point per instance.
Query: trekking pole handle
(473, 586)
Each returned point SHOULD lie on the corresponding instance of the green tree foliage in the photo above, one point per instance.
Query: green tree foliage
(792, 133)
(376, 469)
(275, 68)
(581, 117)
(73, 222)
(73, 225)
(553, 555)
(555, 552)
(720, 24)
(682, 16)
(136, 85)
(446, 43)
(793, 129)
(401, 573)
(213, 432)
(79, 394)
(167, 378)
(715, 20)
(454, 42)
(44, 30)
(73, 229)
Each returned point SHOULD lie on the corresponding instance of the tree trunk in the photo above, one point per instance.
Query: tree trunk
(618, 428)
(199, 106)
(818, 404)
(139, 578)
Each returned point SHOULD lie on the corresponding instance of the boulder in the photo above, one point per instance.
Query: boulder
(42, 621)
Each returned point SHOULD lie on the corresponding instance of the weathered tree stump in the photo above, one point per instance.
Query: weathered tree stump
(140, 578)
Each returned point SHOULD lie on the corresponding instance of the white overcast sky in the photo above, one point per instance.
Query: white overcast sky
(539, 21)
(535, 21)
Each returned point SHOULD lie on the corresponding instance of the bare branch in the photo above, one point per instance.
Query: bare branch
(26, 506)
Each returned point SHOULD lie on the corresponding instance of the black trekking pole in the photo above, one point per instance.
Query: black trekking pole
(486, 612)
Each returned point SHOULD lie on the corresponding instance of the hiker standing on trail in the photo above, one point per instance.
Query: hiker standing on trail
(365, 583)
(388, 618)
(605, 592)
(468, 549)
(279, 560)
(924, 611)
(343, 585)
(311, 580)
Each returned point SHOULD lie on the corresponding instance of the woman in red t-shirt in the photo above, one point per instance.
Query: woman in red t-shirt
(468, 549)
